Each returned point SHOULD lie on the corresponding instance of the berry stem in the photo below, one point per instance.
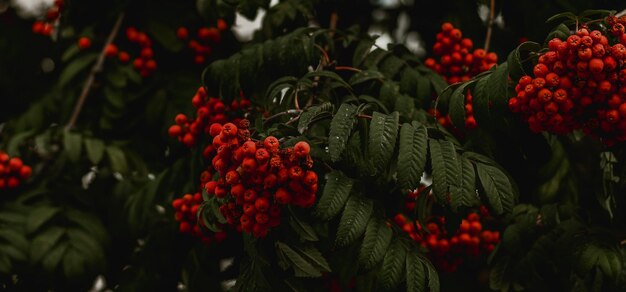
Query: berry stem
(280, 114)
(492, 13)
(92, 75)
(347, 68)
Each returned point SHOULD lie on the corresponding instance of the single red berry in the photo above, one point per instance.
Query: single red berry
(110, 51)
(182, 33)
(84, 43)
(302, 149)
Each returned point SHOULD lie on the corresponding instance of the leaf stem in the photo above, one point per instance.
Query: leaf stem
(97, 68)
(347, 68)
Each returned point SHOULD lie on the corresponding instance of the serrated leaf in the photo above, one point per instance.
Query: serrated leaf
(491, 95)
(314, 113)
(340, 128)
(465, 195)
(393, 269)
(377, 238)
(456, 108)
(117, 159)
(365, 76)
(415, 273)
(95, 149)
(73, 143)
(301, 266)
(607, 258)
(304, 229)
(335, 195)
(433, 277)
(382, 142)
(497, 187)
(327, 74)
(39, 217)
(412, 155)
(353, 220)
(445, 166)
(314, 256)
(75, 67)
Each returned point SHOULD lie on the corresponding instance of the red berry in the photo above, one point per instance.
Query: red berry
(110, 51)
(301, 149)
(84, 43)
(182, 33)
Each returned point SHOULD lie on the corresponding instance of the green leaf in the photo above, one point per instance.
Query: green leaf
(415, 273)
(456, 109)
(313, 114)
(73, 145)
(514, 60)
(117, 159)
(39, 217)
(465, 195)
(302, 267)
(377, 238)
(412, 155)
(602, 255)
(353, 220)
(393, 269)
(335, 195)
(566, 15)
(446, 175)
(340, 128)
(165, 35)
(313, 256)
(304, 229)
(75, 67)
(365, 76)
(69, 53)
(95, 149)
(53, 258)
(362, 51)
(497, 187)
(383, 134)
(44, 241)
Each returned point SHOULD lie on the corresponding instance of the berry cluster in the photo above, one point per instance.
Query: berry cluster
(577, 84)
(187, 215)
(209, 110)
(445, 249)
(458, 63)
(46, 27)
(448, 251)
(207, 37)
(12, 171)
(257, 177)
(145, 63)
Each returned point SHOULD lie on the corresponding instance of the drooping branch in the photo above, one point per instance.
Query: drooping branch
(492, 13)
(97, 67)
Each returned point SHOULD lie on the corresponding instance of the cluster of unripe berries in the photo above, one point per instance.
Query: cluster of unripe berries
(458, 63)
(448, 250)
(187, 215)
(578, 83)
(209, 110)
(256, 178)
(46, 27)
(206, 38)
(12, 171)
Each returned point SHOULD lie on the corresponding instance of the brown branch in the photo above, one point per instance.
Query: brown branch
(92, 75)
(621, 13)
(492, 12)
(333, 23)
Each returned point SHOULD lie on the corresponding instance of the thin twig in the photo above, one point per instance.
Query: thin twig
(492, 12)
(347, 68)
(92, 75)
(364, 116)
(621, 13)
(280, 114)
